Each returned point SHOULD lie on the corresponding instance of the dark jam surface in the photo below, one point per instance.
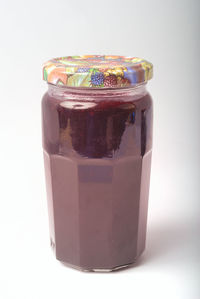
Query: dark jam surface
(97, 162)
(97, 129)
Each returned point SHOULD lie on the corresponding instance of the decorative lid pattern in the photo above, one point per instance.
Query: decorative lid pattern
(97, 71)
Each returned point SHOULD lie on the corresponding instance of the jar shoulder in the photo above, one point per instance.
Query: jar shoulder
(141, 101)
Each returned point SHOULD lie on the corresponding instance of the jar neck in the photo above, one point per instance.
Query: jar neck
(90, 94)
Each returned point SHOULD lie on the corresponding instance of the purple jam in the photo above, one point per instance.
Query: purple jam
(97, 162)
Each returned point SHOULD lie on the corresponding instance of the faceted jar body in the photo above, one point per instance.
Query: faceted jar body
(97, 152)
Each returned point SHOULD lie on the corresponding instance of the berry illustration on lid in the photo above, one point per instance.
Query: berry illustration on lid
(97, 79)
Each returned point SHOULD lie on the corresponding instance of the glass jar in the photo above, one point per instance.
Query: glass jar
(97, 141)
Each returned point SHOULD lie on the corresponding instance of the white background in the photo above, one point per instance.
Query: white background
(165, 33)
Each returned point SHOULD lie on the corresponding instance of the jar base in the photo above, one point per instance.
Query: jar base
(117, 268)
(99, 270)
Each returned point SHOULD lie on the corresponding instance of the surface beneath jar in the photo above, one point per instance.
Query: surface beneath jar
(97, 161)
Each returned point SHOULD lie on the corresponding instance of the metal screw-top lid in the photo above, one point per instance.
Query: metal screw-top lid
(97, 71)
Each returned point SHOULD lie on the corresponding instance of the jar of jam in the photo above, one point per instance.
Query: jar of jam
(97, 142)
